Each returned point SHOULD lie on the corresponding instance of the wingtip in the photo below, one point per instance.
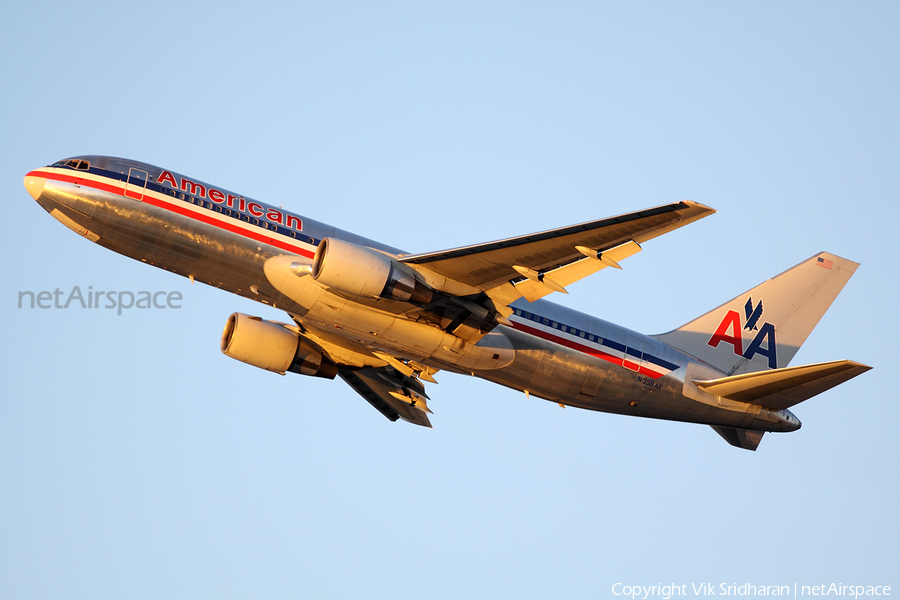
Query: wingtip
(699, 205)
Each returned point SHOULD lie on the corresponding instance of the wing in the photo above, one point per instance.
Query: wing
(395, 395)
(536, 256)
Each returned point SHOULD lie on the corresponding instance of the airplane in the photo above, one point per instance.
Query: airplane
(387, 321)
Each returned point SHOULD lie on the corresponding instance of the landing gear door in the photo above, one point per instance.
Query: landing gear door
(136, 183)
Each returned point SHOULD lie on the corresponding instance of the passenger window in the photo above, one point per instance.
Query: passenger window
(256, 221)
(294, 234)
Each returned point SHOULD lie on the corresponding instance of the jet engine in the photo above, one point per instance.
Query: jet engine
(365, 272)
(273, 347)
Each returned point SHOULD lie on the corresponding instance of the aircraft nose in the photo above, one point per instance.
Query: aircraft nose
(34, 185)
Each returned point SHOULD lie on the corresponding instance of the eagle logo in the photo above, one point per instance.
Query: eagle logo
(752, 314)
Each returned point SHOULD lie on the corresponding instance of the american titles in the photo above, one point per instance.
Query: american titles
(273, 215)
(731, 332)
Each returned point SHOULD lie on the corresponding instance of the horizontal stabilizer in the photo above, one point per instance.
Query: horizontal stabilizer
(747, 439)
(783, 388)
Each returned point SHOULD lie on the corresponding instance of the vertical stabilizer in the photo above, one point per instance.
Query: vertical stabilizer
(764, 327)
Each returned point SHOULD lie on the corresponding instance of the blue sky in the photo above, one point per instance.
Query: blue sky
(138, 461)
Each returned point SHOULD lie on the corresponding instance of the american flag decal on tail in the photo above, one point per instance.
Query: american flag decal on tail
(824, 262)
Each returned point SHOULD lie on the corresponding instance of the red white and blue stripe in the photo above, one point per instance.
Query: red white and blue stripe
(633, 359)
(187, 205)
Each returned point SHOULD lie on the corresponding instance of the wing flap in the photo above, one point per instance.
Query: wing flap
(568, 274)
(783, 388)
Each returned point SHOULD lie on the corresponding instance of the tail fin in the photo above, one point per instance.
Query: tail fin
(764, 327)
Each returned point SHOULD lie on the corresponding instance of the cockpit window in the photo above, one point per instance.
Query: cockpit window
(81, 165)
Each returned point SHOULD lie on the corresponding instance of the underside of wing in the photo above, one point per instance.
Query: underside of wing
(392, 393)
(486, 266)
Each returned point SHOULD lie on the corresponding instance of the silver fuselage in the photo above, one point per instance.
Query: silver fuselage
(223, 239)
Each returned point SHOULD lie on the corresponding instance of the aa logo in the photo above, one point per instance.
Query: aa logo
(731, 332)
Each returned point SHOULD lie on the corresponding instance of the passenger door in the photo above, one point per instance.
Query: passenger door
(136, 183)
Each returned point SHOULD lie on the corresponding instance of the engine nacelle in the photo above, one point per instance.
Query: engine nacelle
(364, 272)
(272, 347)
